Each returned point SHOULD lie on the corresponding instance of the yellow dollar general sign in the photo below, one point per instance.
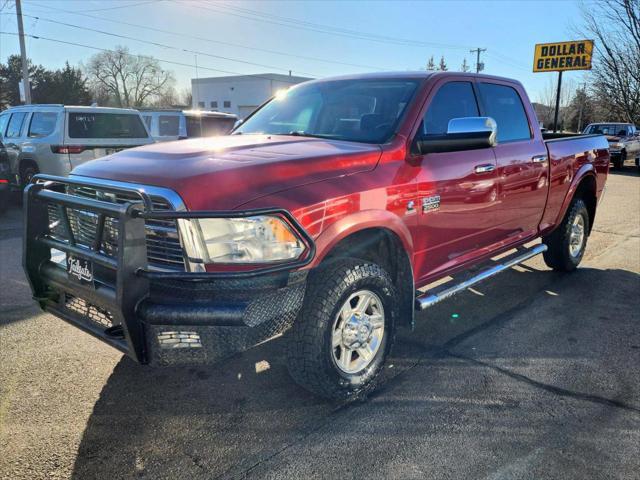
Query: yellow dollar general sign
(557, 57)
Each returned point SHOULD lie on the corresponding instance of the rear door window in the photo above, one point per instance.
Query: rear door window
(168, 125)
(105, 125)
(42, 124)
(15, 125)
(503, 104)
(452, 100)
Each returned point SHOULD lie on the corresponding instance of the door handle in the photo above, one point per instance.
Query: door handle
(539, 158)
(488, 167)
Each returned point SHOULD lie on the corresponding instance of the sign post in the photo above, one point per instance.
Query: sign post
(561, 56)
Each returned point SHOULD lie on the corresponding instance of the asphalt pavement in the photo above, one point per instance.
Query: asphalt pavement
(530, 375)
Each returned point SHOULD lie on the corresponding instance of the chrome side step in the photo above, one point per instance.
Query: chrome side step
(429, 299)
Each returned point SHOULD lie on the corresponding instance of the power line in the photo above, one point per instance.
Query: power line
(54, 11)
(120, 6)
(304, 25)
(161, 45)
(75, 44)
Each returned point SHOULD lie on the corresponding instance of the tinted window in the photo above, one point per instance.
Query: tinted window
(453, 100)
(15, 125)
(4, 119)
(504, 105)
(147, 121)
(168, 125)
(42, 124)
(227, 104)
(214, 104)
(203, 126)
(355, 110)
(105, 125)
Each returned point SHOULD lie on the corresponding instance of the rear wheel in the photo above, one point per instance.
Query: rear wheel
(567, 243)
(338, 345)
(619, 161)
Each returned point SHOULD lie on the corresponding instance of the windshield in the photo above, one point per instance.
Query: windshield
(603, 129)
(354, 110)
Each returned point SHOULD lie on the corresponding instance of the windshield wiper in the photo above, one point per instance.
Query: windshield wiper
(302, 133)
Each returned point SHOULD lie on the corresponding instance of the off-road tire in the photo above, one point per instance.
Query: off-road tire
(309, 350)
(558, 254)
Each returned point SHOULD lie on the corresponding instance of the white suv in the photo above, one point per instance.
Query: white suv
(55, 139)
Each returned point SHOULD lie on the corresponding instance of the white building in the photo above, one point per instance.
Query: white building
(239, 94)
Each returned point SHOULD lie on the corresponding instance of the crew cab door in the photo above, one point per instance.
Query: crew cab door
(457, 190)
(522, 163)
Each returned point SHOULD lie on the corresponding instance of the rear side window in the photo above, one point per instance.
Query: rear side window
(504, 105)
(105, 125)
(452, 100)
(168, 125)
(15, 125)
(42, 124)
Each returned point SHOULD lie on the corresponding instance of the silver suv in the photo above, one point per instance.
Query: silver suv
(55, 139)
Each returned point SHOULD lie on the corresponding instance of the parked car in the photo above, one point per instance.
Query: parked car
(321, 216)
(54, 139)
(4, 179)
(166, 125)
(624, 141)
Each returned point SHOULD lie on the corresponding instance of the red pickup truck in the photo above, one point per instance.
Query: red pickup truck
(320, 216)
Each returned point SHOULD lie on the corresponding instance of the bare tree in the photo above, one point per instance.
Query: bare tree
(546, 100)
(131, 80)
(615, 27)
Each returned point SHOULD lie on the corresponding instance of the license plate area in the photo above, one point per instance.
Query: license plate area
(80, 270)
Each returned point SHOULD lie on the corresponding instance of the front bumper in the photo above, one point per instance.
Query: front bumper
(154, 317)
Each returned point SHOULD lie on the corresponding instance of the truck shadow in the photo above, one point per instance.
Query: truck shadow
(223, 420)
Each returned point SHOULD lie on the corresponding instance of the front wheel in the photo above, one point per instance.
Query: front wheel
(338, 345)
(567, 243)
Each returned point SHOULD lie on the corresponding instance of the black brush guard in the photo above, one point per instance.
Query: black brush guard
(126, 299)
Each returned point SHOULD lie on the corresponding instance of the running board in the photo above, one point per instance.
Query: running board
(427, 299)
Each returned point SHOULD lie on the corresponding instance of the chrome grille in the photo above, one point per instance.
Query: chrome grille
(163, 242)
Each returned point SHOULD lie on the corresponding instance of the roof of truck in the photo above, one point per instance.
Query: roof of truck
(420, 74)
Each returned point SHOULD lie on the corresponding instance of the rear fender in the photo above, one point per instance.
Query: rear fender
(583, 172)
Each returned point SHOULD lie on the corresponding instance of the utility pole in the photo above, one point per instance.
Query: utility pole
(584, 98)
(555, 117)
(23, 53)
(478, 51)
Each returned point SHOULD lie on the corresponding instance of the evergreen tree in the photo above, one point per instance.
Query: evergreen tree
(465, 66)
(443, 65)
(431, 65)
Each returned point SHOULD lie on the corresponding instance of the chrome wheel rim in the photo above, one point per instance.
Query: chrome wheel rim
(576, 238)
(357, 332)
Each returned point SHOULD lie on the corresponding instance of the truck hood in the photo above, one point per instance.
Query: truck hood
(222, 173)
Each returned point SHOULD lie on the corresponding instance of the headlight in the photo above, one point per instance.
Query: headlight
(258, 239)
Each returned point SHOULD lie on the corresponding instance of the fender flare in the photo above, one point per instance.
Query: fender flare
(587, 170)
(359, 221)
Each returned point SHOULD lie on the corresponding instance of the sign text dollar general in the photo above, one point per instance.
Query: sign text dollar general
(554, 57)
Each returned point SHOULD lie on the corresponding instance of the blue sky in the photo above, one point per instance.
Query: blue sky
(507, 29)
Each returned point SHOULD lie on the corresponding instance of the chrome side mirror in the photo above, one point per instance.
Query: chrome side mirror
(467, 133)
